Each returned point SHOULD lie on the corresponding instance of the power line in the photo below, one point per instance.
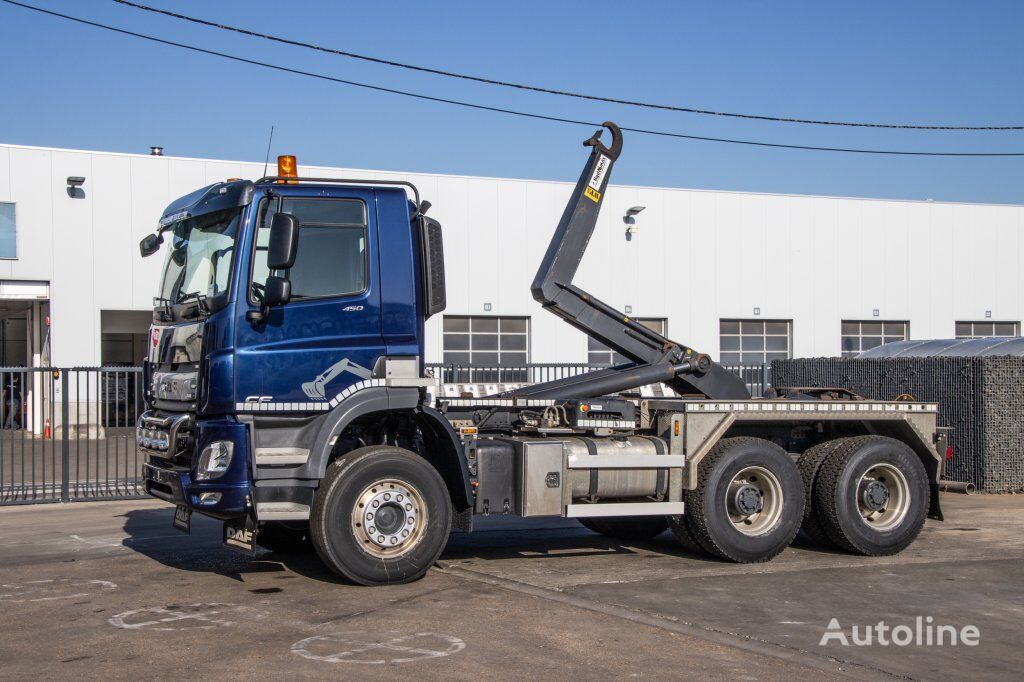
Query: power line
(483, 107)
(550, 91)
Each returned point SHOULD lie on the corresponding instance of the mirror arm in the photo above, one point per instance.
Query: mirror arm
(257, 317)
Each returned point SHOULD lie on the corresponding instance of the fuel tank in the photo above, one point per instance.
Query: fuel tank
(614, 482)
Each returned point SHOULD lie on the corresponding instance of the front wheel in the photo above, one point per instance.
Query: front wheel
(381, 516)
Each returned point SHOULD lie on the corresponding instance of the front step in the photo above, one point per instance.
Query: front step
(281, 511)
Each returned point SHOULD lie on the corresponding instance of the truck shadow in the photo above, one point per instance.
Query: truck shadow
(150, 533)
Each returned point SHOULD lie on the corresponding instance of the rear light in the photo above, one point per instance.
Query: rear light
(949, 452)
(287, 167)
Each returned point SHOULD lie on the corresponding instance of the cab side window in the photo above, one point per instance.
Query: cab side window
(331, 259)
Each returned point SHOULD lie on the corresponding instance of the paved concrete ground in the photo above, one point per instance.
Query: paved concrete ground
(111, 590)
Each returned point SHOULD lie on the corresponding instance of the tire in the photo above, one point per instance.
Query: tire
(855, 512)
(808, 465)
(628, 528)
(748, 504)
(396, 487)
(285, 537)
(684, 536)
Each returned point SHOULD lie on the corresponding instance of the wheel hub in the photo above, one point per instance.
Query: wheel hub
(883, 496)
(754, 500)
(875, 495)
(388, 518)
(748, 500)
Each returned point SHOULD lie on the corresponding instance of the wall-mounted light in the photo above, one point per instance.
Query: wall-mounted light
(874, 313)
(988, 314)
(757, 311)
(156, 151)
(487, 307)
(629, 310)
(630, 220)
(74, 183)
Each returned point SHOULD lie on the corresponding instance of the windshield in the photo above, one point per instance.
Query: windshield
(199, 260)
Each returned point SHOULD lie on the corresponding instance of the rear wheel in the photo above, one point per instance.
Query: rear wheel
(629, 528)
(871, 495)
(748, 503)
(381, 516)
(809, 464)
(285, 537)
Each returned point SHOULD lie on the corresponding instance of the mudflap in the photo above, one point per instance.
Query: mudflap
(240, 534)
(182, 519)
(934, 510)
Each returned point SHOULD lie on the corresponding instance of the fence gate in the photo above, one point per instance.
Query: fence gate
(69, 434)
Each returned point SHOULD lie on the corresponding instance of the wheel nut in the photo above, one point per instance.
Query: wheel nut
(405, 533)
(372, 530)
(394, 540)
(410, 521)
(387, 496)
(400, 497)
(380, 539)
(408, 507)
(369, 517)
(376, 504)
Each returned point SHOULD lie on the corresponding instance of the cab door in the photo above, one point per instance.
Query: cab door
(329, 335)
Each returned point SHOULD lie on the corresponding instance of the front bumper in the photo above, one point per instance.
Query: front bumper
(176, 486)
(227, 496)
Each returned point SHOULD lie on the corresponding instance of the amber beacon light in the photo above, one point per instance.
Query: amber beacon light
(287, 167)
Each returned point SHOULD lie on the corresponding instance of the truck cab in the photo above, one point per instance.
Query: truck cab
(280, 299)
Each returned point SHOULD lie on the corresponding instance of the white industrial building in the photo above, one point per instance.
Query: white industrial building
(744, 277)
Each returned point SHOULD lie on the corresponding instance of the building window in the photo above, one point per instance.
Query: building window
(981, 330)
(486, 349)
(8, 232)
(600, 354)
(754, 342)
(858, 337)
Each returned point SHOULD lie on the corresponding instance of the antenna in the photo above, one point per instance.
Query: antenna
(266, 162)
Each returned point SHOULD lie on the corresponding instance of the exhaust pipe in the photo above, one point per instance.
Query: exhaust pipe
(965, 487)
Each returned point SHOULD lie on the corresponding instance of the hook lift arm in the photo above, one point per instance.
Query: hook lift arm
(655, 358)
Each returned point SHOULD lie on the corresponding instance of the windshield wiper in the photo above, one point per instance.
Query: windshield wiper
(167, 314)
(202, 307)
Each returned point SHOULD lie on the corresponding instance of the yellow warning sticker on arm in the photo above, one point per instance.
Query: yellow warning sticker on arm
(592, 194)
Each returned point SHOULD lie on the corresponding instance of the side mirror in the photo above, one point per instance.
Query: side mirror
(278, 291)
(150, 244)
(284, 240)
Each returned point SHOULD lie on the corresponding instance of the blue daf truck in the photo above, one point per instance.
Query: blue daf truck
(286, 395)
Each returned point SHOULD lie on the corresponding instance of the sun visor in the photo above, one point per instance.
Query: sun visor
(218, 197)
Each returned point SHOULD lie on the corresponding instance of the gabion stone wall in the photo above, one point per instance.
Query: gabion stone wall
(981, 399)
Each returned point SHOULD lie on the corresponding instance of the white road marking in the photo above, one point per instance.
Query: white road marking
(358, 647)
(52, 590)
(188, 616)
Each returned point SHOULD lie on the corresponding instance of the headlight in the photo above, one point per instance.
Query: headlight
(214, 460)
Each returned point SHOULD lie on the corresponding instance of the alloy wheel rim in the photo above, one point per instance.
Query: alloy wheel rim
(388, 518)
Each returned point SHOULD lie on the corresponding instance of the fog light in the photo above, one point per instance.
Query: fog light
(214, 460)
(209, 498)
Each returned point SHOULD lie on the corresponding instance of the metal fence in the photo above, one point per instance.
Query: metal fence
(69, 434)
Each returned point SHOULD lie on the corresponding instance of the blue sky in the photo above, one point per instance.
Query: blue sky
(914, 62)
